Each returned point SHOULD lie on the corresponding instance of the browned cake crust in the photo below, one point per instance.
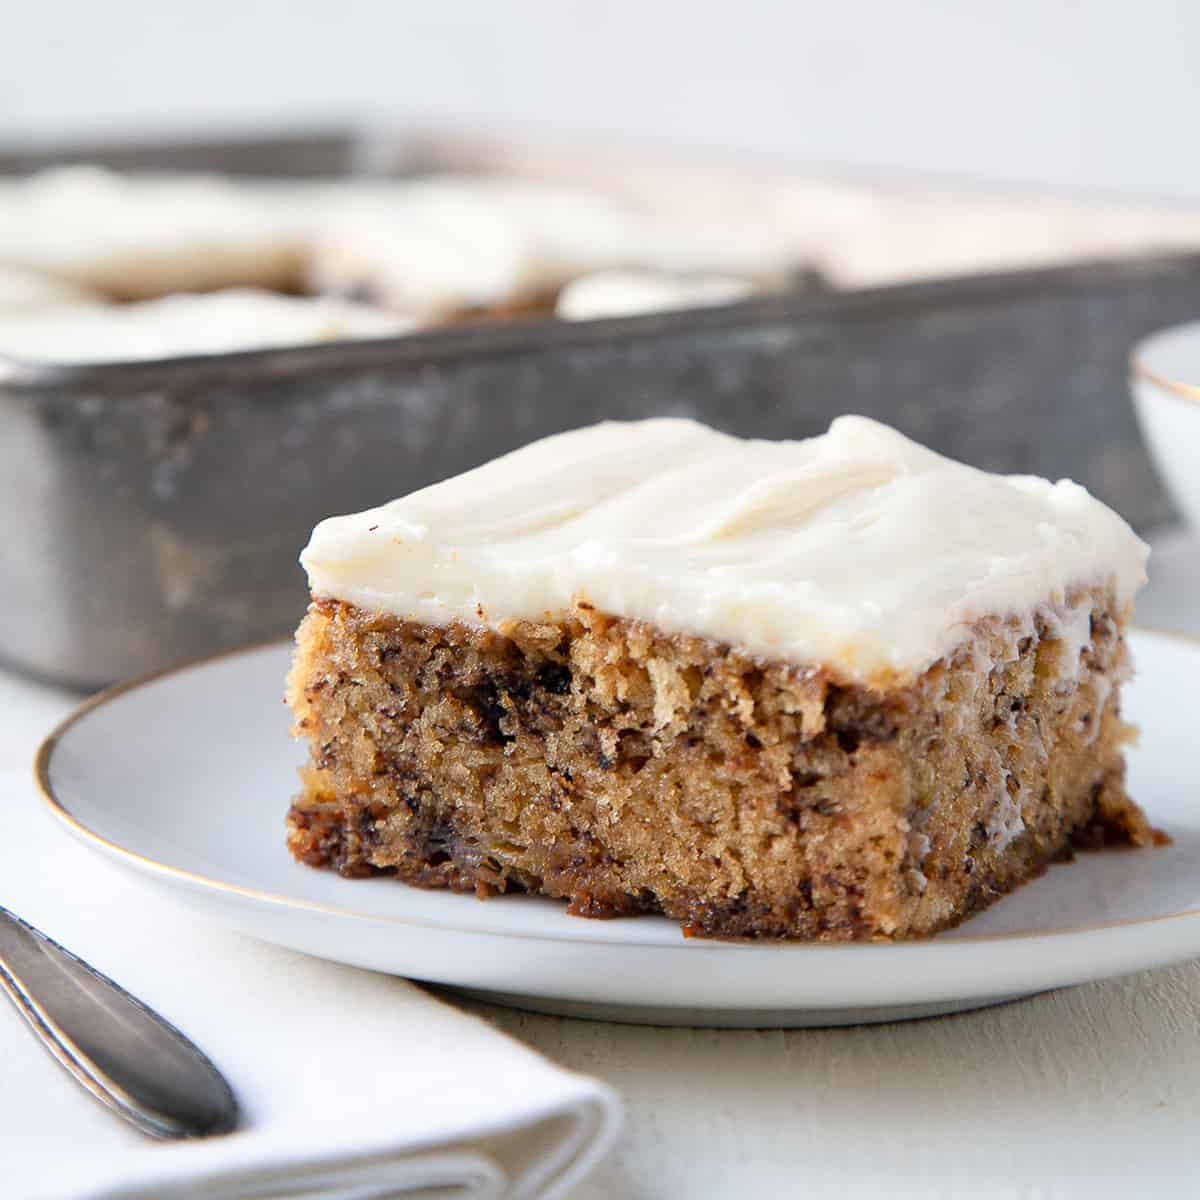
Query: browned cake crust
(624, 770)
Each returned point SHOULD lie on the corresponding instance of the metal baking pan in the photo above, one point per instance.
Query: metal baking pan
(153, 511)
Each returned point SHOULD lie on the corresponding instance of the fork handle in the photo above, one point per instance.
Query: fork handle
(122, 1052)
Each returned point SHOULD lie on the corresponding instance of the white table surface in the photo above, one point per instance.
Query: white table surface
(1090, 1092)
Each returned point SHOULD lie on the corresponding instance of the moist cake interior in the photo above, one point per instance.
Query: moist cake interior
(625, 770)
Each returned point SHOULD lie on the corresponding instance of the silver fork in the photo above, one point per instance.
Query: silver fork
(122, 1052)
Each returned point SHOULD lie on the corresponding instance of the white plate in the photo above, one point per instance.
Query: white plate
(1164, 376)
(186, 778)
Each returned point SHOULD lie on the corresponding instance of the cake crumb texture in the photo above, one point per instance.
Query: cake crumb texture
(628, 770)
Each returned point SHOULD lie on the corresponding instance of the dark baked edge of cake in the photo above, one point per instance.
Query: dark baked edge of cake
(320, 837)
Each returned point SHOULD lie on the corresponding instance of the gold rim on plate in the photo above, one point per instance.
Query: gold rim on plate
(45, 753)
(1184, 391)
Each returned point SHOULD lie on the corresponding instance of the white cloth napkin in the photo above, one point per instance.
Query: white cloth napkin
(352, 1085)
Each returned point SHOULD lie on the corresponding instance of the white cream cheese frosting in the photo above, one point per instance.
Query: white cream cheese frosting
(629, 293)
(426, 248)
(210, 323)
(146, 234)
(24, 290)
(444, 244)
(858, 550)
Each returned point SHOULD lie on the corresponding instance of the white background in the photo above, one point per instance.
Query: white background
(1083, 96)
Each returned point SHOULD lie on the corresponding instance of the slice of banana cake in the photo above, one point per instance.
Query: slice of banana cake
(833, 689)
